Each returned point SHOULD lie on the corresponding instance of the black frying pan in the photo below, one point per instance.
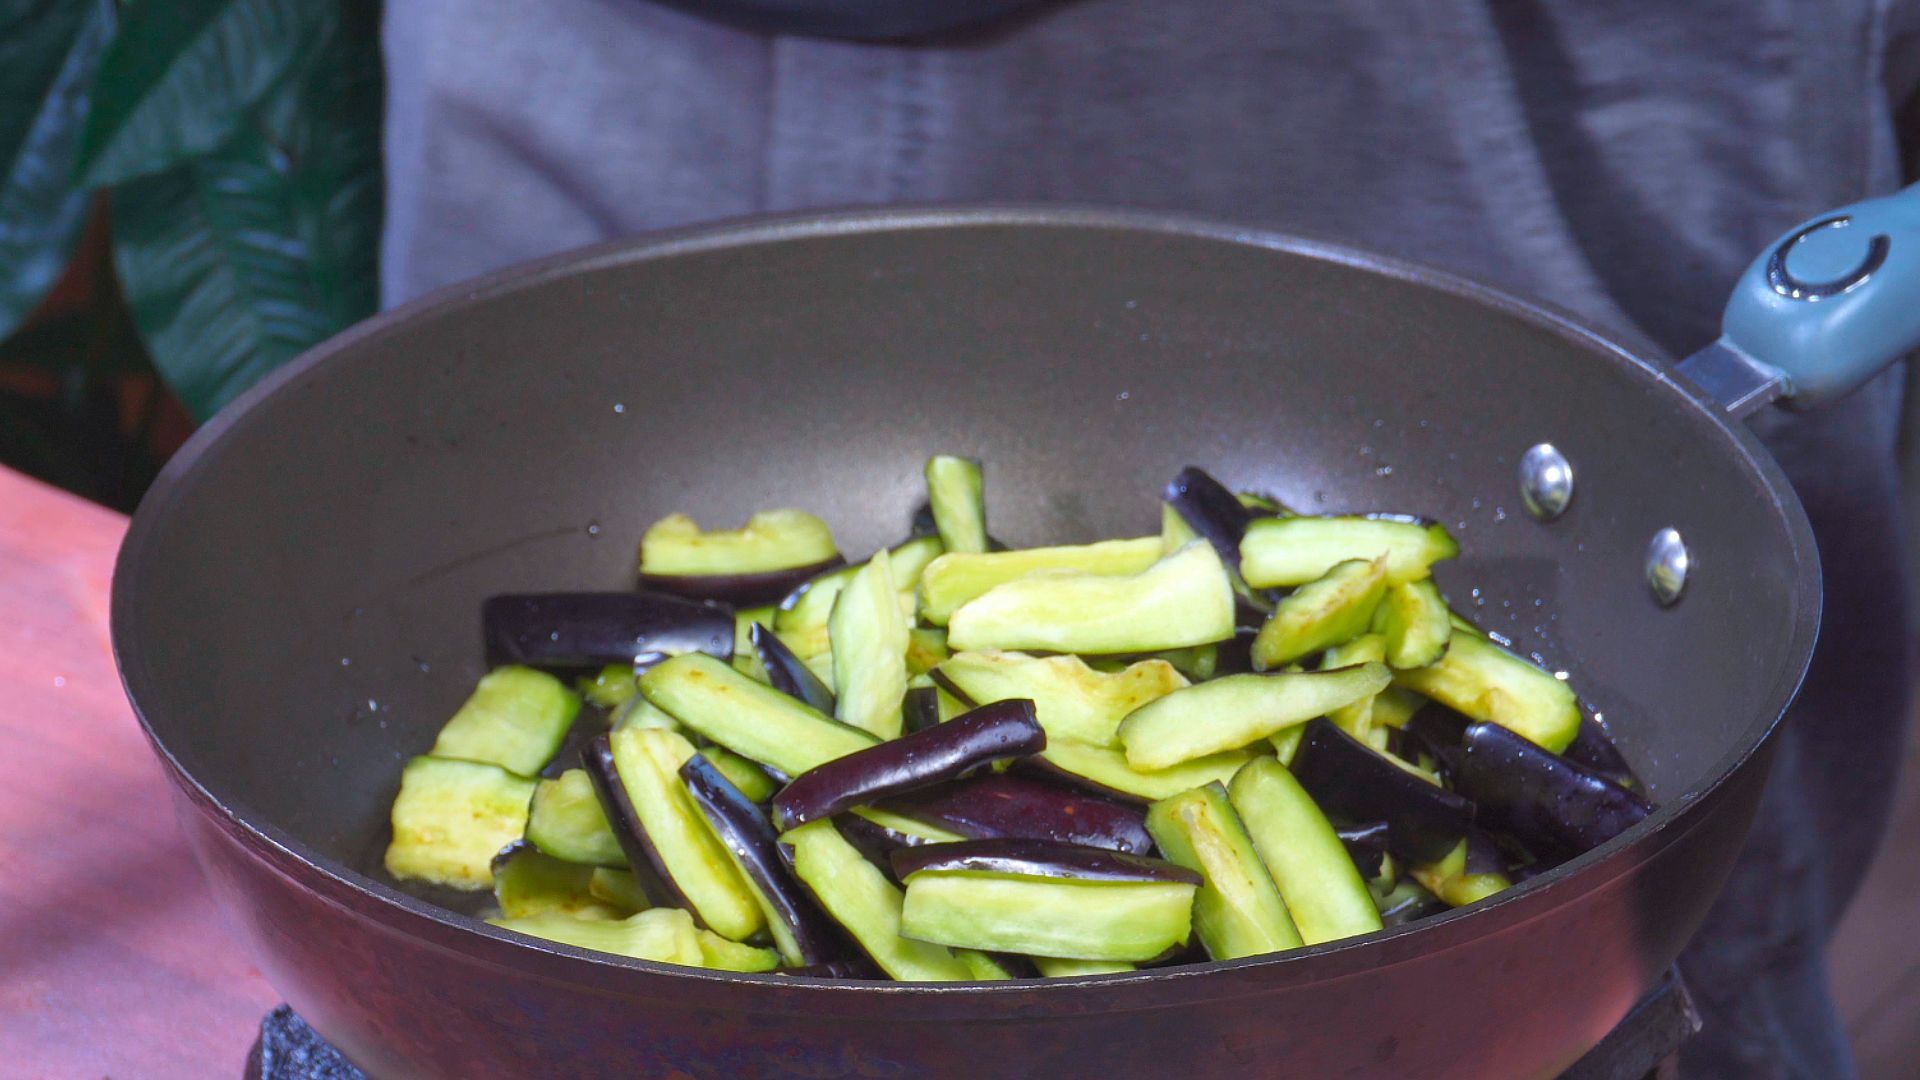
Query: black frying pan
(295, 610)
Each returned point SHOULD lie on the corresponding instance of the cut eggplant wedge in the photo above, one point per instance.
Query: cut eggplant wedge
(618, 888)
(868, 906)
(803, 934)
(1238, 910)
(757, 563)
(1326, 611)
(665, 935)
(1042, 899)
(527, 882)
(1183, 599)
(748, 718)
(745, 660)
(639, 712)
(1105, 771)
(999, 806)
(1175, 533)
(1485, 682)
(609, 688)
(1054, 967)
(787, 673)
(957, 577)
(754, 781)
(956, 493)
(575, 630)
(663, 829)
(567, 822)
(516, 718)
(1210, 510)
(1232, 712)
(1039, 859)
(451, 818)
(1545, 801)
(1459, 878)
(998, 732)
(1323, 889)
(926, 649)
(1356, 717)
(801, 617)
(869, 639)
(720, 954)
(1416, 624)
(1353, 782)
(994, 967)
(1295, 550)
(1072, 700)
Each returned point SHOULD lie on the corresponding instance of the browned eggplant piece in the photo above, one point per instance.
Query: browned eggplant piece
(999, 806)
(646, 862)
(1352, 782)
(920, 709)
(571, 630)
(805, 934)
(1594, 748)
(1543, 799)
(1038, 858)
(995, 732)
(788, 673)
(1367, 844)
(741, 590)
(1210, 510)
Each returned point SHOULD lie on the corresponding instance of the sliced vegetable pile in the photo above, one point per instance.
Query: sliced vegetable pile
(1256, 731)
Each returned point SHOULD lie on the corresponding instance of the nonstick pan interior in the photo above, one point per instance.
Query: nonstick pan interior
(297, 608)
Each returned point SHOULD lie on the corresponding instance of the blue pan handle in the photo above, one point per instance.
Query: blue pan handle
(1825, 308)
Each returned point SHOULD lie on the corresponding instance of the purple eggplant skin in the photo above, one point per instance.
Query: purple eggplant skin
(996, 732)
(1438, 730)
(1352, 783)
(1367, 844)
(741, 590)
(745, 832)
(946, 683)
(1594, 748)
(1211, 510)
(788, 673)
(567, 630)
(1038, 858)
(874, 841)
(648, 868)
(997, 806)
(920, 709)
(1544, 800)
(850, 968)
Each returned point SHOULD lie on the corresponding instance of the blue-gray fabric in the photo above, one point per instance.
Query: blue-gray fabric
(1619, 158)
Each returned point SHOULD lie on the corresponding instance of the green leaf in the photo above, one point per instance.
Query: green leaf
(182, 75)
(47, 61)
(237, 261)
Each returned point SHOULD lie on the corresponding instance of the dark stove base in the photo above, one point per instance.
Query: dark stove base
(1642, 1046)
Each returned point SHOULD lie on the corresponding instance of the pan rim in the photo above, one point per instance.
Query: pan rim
(392, 908)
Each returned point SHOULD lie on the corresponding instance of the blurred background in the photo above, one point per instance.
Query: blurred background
(190, 196)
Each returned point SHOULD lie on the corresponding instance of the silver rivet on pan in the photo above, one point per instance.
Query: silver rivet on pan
(1667, 564)
(1546, 481)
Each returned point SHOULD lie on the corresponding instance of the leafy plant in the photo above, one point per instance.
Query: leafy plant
(238, 144)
